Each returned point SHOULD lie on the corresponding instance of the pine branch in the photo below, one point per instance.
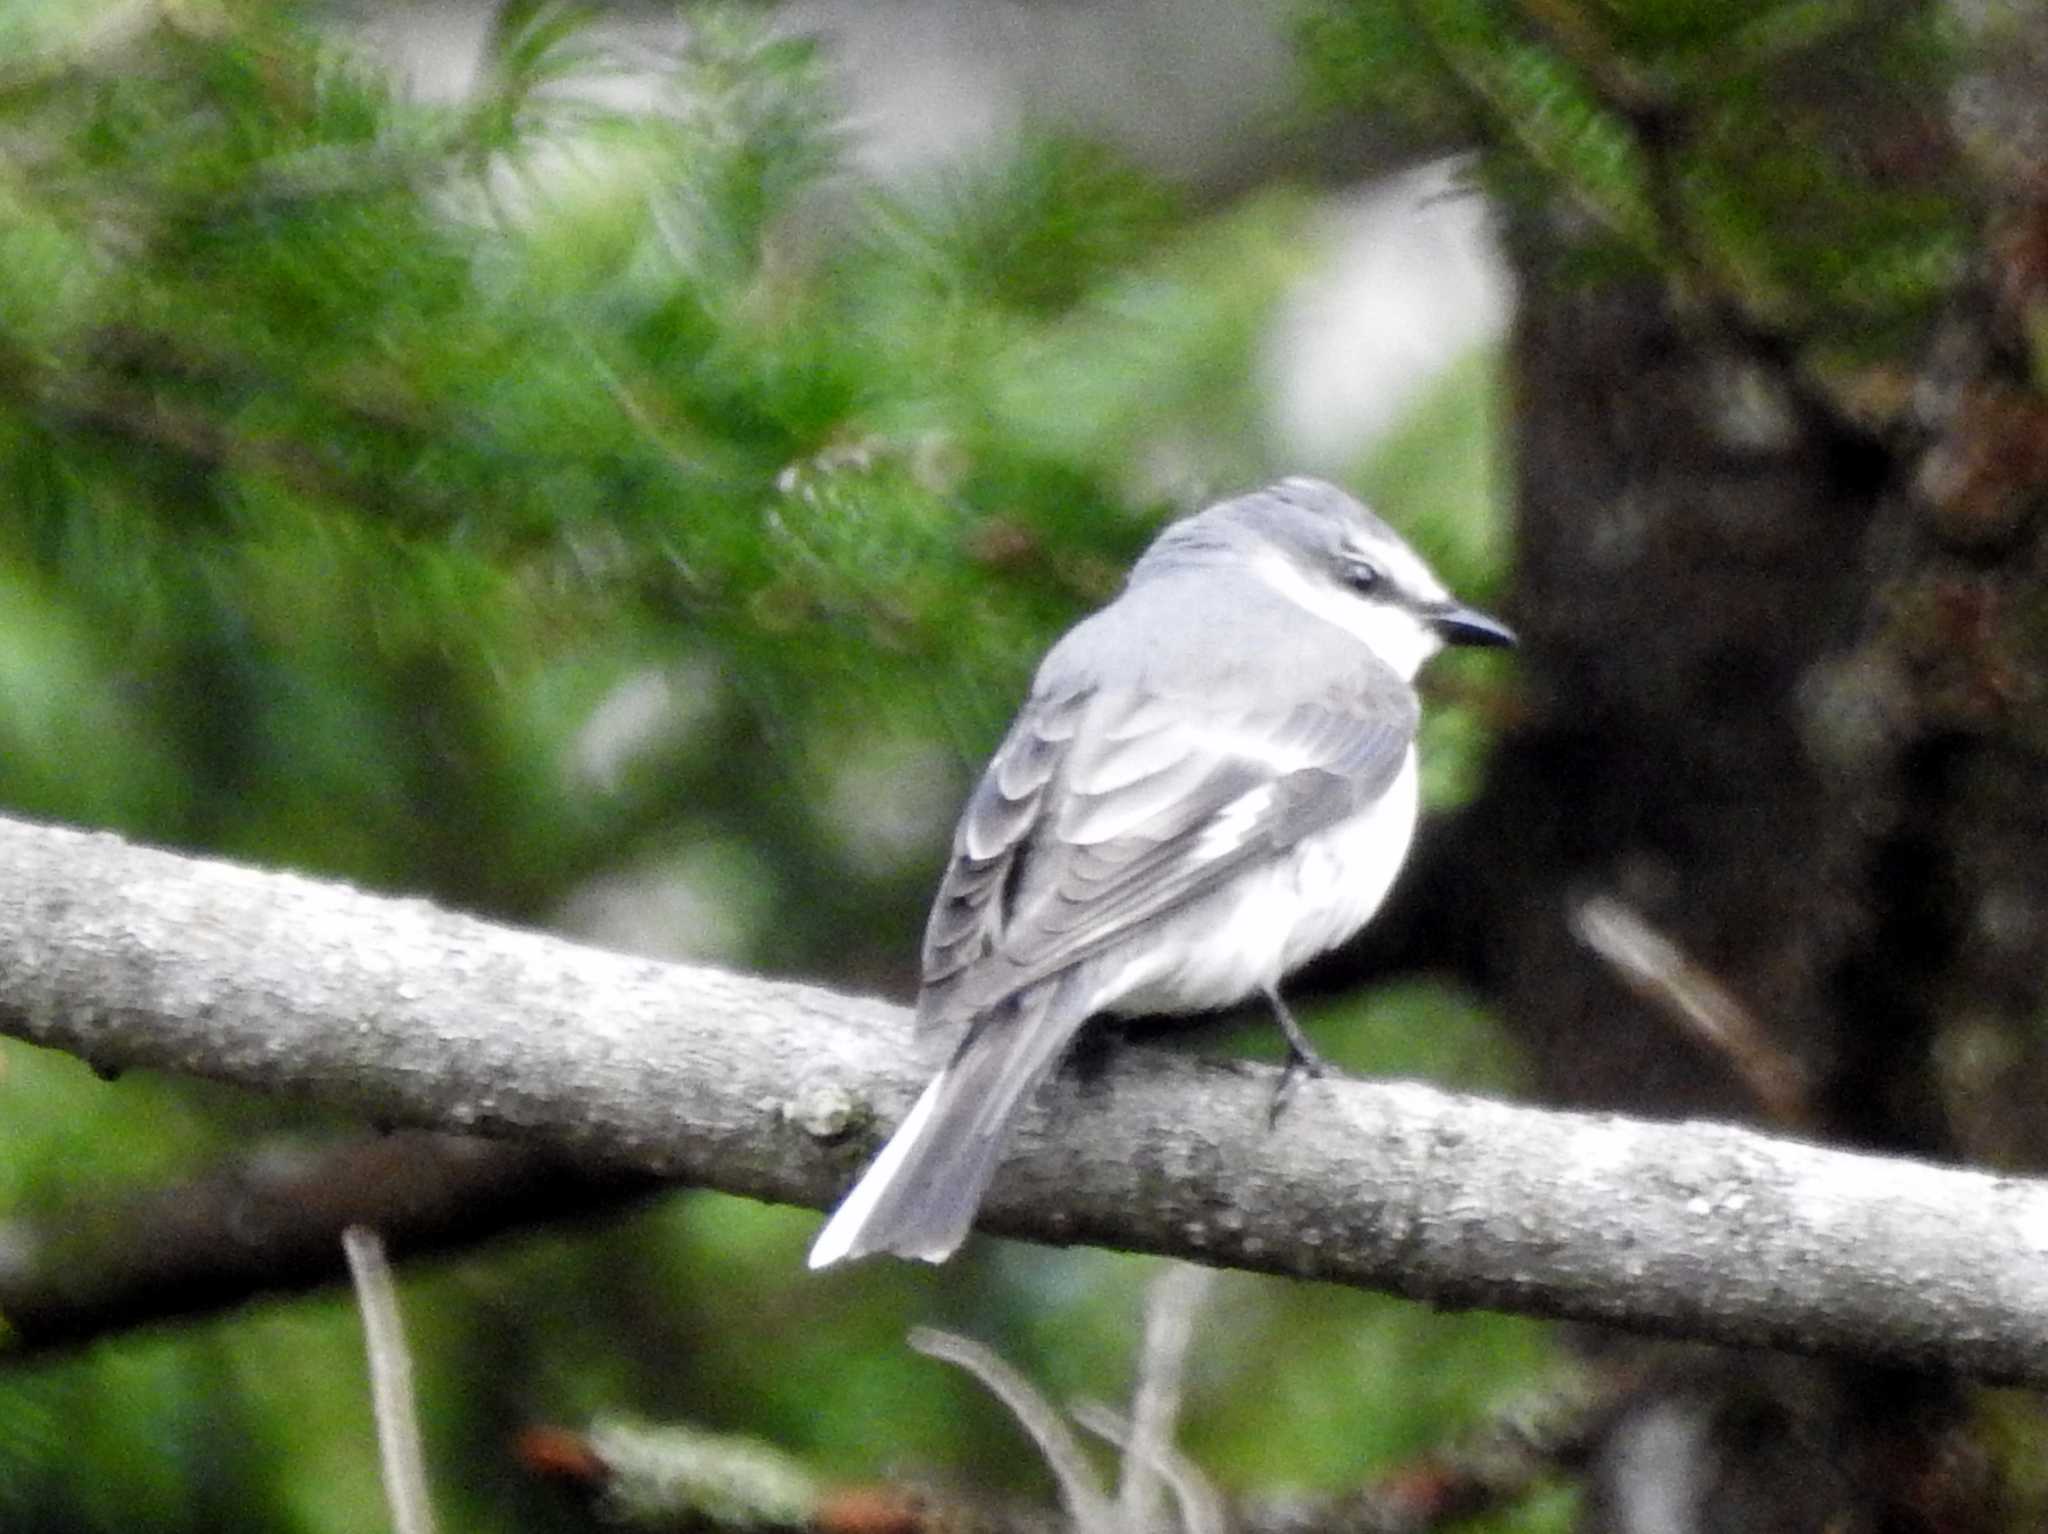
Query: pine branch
(407, 1014)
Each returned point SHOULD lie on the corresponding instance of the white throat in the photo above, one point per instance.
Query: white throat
(1392, 633)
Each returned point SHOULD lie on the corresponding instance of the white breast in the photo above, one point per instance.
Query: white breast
(1272, 919)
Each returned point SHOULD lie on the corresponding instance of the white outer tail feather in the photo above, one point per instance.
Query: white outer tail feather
(836, 1240)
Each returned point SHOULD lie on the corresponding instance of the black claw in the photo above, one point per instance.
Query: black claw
(1282, 1091)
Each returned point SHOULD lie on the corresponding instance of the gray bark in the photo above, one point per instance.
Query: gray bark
(408, 1014)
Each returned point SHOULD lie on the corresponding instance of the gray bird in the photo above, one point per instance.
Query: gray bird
(1212, 782)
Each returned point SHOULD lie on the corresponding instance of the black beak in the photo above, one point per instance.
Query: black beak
(1457, 624)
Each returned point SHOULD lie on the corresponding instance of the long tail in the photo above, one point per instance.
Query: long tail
(920, 1196)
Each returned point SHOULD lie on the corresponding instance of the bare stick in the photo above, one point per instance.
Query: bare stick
(1172, 1301)
(398, 1429)
(1201, 1509)
(1661, 972)
(1086, 1505)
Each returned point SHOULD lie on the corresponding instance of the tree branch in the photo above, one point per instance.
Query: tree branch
(270, 1221)
(407, 1014)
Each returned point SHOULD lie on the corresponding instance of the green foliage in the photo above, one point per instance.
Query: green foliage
(1029, 235)
(1780, 158)
(555, 510)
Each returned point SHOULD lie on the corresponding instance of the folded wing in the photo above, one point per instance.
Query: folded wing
(1104, 810)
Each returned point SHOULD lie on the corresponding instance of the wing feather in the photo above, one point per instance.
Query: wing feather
(1078, 836)
(989, 846)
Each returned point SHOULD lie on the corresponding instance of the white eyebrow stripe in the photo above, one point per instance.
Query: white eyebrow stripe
(1396, 635)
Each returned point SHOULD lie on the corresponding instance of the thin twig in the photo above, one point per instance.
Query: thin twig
(1171, 1303)
(1201, 1507)
(1075, 1476)
(398, 1429)
(1658, 970)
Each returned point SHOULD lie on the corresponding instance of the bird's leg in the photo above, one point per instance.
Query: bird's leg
(1303, 1058)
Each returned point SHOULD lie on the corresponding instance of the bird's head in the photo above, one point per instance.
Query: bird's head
(1323, 550)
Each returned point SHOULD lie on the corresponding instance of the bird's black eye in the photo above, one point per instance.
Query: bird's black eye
(1361, 576)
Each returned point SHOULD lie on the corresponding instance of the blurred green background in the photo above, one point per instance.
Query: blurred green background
(634, 523)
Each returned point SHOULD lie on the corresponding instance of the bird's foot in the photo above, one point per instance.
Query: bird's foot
(1303, 1059)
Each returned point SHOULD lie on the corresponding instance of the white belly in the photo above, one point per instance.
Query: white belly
(1271, 920)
